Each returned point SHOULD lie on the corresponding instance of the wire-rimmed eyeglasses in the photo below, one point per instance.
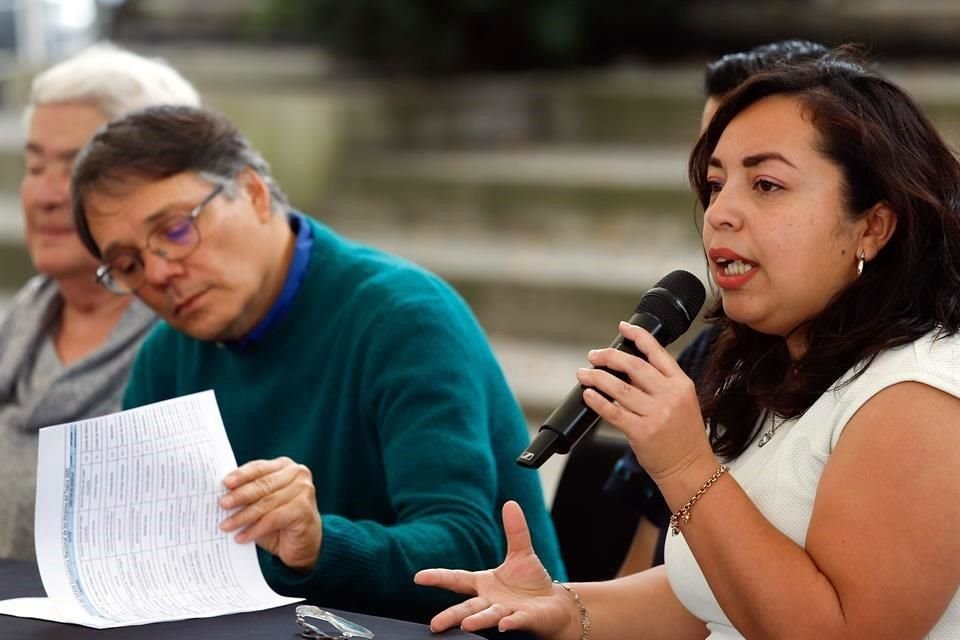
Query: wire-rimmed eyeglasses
(309, 617)
(176, 239)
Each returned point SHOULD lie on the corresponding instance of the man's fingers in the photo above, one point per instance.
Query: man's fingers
(254, 469)
(255, 488)
(271, 522)
(301, 497)
(260, 509)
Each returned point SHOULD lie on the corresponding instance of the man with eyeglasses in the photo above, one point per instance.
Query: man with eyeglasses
(375, 430)
(174, 240)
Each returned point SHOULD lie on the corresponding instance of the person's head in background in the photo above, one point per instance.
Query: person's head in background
(724, 74)
(67, 104)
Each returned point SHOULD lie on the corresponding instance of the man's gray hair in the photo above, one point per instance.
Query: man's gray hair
(159, 142)
(111, 79)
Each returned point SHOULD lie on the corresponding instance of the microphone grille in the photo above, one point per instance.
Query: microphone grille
(676, 300)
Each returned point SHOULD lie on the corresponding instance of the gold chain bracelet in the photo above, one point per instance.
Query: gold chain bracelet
(684, 512)
(584, 617)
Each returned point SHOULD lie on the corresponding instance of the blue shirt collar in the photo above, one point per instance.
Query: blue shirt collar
(291, 284)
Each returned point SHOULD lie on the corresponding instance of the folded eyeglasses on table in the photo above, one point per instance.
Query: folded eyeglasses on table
(312, 620)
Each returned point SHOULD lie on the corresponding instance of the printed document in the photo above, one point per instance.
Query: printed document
(127, 521)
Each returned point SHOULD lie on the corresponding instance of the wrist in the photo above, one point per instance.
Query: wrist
(688, 474)
(578, 627)
(682, 515)
(306, 560)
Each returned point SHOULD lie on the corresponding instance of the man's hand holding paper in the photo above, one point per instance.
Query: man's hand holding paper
(276, 508)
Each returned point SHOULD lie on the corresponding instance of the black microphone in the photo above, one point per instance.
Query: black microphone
(666, 311)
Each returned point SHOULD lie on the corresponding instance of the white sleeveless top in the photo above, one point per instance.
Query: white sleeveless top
(782, 477)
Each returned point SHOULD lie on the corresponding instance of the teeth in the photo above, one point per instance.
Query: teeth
(736, 268)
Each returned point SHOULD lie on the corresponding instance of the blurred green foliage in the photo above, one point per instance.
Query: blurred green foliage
(439, 36)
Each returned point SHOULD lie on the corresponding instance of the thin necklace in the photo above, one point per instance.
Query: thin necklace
(766, 437)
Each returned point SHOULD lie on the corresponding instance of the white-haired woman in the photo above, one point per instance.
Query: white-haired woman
(66, 345)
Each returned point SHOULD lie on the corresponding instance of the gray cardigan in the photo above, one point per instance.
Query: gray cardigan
(91, 386)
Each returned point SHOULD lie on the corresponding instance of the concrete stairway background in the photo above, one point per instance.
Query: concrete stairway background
(551, 202)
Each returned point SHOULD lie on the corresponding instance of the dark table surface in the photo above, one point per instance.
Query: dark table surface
(22, 580)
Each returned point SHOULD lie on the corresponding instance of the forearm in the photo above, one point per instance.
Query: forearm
(640, 554)
(742, 554)
(641, 606)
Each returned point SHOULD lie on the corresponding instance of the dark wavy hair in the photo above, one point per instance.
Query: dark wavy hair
(725, 73)
(887, 151)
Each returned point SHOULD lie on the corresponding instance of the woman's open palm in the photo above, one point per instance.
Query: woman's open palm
(516, 595)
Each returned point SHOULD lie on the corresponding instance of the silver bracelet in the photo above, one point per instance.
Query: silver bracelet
(584, 616)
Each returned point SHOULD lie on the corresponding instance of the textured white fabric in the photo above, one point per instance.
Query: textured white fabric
(782, 477)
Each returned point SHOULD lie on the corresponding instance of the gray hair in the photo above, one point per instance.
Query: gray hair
(159, 142)
(111, 79)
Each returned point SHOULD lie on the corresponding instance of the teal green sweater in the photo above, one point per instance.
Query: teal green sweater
(381, 381)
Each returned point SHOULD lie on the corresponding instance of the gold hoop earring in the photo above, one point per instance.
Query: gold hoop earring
(863, 259)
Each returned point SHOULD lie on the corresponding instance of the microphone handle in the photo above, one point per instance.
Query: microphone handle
(573, 419)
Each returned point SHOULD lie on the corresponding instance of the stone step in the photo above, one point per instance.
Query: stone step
(585, 194)
(596, 166)
(613, 267)
(642, 105)
(534, 206)
(637, 105)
